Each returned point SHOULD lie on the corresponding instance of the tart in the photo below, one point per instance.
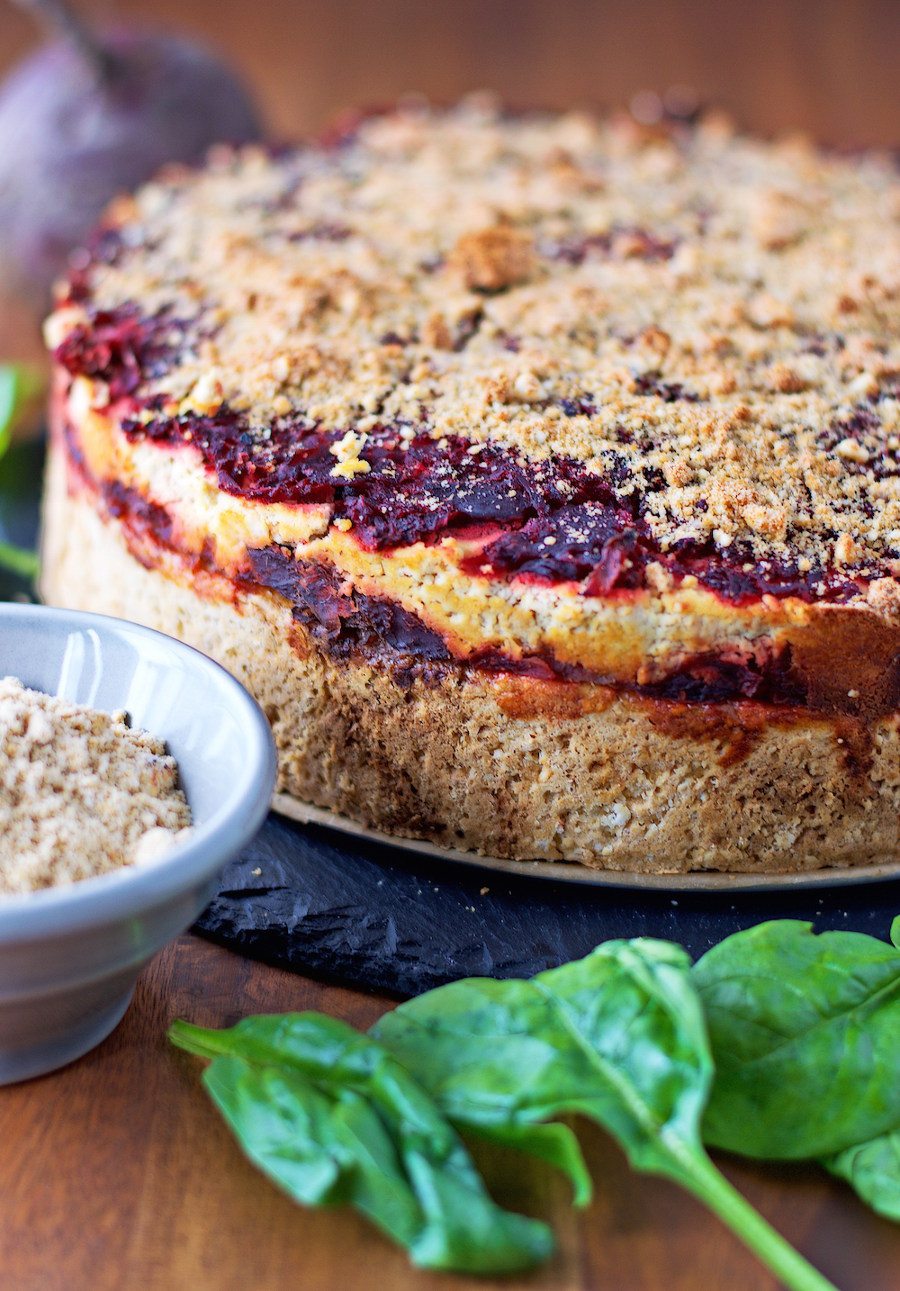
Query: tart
(539, 475)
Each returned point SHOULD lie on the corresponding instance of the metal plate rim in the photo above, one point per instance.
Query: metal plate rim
(568, 872)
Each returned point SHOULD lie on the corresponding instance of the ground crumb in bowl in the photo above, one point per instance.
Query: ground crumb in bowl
(81, 793)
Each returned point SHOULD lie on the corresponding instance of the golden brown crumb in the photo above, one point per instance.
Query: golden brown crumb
(491, 259)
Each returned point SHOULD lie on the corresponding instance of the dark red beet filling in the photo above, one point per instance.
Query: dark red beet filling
(147, 519)
(421, 489)
(709, 679)
(122, 347)
(412, 492)
(346, 623)
(351, 625)
(598, 541)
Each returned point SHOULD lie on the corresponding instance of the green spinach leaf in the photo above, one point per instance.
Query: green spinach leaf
(18, 385)
(618, 1036)
(873, 1169)
(805, 1034)
(334, 1119)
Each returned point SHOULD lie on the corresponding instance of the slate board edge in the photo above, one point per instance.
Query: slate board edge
(353, 913)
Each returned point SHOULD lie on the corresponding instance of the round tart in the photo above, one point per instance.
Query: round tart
(539, 475)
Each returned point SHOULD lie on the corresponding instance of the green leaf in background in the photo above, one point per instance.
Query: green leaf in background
(334, 1119)
(618, 1036)
(805, 1033)
(19, 561)
(873, 1169)
(19, 384)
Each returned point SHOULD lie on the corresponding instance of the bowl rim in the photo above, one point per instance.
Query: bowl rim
(127, 891)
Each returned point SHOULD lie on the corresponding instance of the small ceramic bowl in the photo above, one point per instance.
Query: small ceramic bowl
(70, 955)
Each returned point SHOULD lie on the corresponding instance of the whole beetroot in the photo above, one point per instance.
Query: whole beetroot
(90, 116)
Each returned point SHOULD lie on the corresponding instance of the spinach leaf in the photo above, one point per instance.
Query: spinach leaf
(554, 1143)
(18, 385)
(11, 383)
(618, 1036)
(333, 1119)
(19, 561)
(873, 1169)
(805, 1034)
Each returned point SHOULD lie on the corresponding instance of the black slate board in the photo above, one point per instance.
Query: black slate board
(321, 902)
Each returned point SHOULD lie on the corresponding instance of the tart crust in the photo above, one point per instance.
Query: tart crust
(507, 766)
(540, 476)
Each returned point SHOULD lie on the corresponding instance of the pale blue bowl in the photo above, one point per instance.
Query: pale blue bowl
(70, 956)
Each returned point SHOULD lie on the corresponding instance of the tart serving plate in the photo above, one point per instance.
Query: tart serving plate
(565, 872)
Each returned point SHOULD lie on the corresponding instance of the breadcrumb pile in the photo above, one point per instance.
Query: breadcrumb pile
(81, 793)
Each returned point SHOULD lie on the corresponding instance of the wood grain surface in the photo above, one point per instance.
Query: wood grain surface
(828, 66)
(118, 1173)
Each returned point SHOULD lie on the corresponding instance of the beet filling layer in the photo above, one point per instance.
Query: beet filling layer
(551, 521)
(348, 624)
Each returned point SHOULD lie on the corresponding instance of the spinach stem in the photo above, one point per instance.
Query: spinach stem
(713, 1189)
(197, 1040)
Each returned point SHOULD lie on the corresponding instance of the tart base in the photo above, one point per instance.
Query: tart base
(591, 876)
(508, 766)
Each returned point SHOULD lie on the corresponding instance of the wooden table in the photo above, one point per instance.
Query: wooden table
(118, 1173)
(828, 66)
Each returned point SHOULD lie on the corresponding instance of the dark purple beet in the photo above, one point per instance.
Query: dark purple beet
(71, 138)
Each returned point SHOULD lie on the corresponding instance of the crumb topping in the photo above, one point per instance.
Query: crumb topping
(710, 323)
(81, 793)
